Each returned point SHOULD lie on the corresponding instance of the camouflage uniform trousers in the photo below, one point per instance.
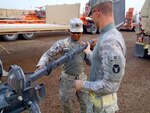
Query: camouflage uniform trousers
(68, 93)
(105, 104)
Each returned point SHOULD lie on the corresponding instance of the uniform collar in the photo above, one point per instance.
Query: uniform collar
(108, 27)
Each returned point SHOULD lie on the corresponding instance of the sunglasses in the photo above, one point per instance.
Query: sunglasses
(76, 33)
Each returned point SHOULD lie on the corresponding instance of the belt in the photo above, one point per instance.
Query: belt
(103, 101)
(75, 77)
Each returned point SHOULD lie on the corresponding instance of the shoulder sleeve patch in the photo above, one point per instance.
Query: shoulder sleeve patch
(116, 68)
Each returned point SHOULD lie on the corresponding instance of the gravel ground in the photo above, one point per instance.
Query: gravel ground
(133, 94)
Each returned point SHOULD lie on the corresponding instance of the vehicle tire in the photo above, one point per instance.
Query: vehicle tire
(84, 29)
(98, 31)
(28, 36)
(145, 54)
(134, 29)
(10, 37)
(93, 29)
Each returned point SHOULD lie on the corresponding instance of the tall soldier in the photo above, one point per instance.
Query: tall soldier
(72, 70)
(107, 61)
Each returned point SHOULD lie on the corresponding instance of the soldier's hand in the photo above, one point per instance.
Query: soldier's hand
(38, 68)
(78, 84)
(88, 50)
(82, 43)
(94, 43)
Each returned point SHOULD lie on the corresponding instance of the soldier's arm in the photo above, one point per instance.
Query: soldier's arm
(113, 65)
(50, 54)
(88, 58)
(88, 55)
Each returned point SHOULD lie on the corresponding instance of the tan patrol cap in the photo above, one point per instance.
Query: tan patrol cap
(94, 3)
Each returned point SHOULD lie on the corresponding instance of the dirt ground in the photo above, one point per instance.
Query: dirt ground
(133, 94)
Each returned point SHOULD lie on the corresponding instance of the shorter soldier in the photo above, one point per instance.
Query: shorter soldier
(72, 70)
(107, 61)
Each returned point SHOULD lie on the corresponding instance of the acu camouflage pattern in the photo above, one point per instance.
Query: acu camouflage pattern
(107, 66)
(71, 71)
(75, 66)
(68, 93)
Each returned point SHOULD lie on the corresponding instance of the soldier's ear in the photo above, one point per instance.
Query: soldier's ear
(99, 13)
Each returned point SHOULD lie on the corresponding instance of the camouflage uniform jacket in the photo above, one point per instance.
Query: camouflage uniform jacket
(107, 62)
(73, 67)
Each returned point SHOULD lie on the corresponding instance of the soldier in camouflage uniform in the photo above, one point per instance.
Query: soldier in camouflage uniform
(72, 70)
(107, 61)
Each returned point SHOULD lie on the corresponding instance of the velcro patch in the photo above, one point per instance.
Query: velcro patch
(116, 68)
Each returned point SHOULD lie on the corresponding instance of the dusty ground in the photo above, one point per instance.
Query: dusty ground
(133, 94)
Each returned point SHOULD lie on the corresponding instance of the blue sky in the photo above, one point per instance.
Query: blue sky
(31, 4)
